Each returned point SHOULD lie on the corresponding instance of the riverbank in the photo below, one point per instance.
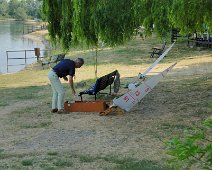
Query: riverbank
(38, 36)
(7, 19)
(12, 19)
(12, 40)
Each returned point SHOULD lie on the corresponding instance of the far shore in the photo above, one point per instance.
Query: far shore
(12, 19)
(7, 19)
(37, 36)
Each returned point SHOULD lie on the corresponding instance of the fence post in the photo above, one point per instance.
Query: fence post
(37, 53)
(7, 60)
(25, 58)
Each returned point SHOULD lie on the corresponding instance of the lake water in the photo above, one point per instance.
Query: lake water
(11, 39)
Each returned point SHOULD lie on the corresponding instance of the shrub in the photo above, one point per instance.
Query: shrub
(193, 149)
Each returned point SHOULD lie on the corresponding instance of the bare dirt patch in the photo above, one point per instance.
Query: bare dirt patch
(37, 36)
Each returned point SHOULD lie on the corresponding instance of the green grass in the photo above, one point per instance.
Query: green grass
(36, 125)
(4, 103)
(52, 153)
(6, 155)
(125, 163)
(27, 162)
(210, 105)
(168, 126)
(86, 158)
(63, 163)
(69, 160)
(144, 165)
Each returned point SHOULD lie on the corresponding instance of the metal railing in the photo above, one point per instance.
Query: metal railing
(32, 28)
(25, 57)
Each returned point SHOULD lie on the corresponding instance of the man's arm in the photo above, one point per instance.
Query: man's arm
(71, 82)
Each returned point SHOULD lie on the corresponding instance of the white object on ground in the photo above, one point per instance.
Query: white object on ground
(155, 63)
(132, 86)
(131, 98)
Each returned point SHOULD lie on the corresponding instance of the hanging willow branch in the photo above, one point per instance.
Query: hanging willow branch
(91, 21)
(66, 23)
(113, 21)
(54, 14)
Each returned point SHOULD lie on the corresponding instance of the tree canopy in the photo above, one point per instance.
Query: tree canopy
(192, 15)
(114, 21)
(21, 9)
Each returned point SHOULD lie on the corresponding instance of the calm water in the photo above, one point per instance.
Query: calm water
(11, 39)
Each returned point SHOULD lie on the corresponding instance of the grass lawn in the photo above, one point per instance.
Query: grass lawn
(32, 137)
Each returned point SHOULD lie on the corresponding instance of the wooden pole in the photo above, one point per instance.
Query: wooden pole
(37, 53)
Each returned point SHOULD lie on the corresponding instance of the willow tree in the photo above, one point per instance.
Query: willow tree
(84, 28)
(92, 21)
(114, 21)
(148, 19)
(187, 15)
(191, 15)
(160, 15)
(53, 16)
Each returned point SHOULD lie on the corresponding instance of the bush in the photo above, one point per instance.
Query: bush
(194, 149)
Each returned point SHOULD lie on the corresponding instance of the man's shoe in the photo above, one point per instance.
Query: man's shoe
(62, 111)
(54, 110)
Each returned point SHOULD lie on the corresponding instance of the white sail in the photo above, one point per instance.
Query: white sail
(131, 98)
